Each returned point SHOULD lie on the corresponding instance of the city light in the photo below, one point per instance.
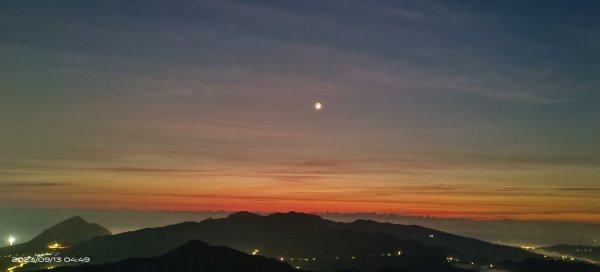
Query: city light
(528, 247)
(56, 245)
(11, 240)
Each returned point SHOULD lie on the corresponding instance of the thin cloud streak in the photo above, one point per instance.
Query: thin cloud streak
(32, 184)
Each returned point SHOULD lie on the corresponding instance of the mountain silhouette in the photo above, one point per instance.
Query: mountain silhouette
(478, 250)
(66, 233)
(192, 256)
(197, 256)
(296, 240)
(302, 240)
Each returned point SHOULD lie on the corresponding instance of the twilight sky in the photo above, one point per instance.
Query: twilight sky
(478, 109)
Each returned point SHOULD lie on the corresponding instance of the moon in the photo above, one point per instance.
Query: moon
(318, 106)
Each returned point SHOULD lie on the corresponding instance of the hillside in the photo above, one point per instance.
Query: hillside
(61, 236)
(476, 249)
(66, 233)
(192, 256)
(300, 239)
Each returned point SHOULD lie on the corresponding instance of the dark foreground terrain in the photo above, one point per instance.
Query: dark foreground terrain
(278, 242)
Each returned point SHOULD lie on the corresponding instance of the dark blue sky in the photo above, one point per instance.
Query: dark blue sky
(460, 98)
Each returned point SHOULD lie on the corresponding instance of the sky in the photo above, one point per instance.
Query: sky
(461, 109)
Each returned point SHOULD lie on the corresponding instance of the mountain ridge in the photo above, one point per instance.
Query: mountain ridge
(302, 240)
(194, 255)
(64, 234)
(67, 233)
(290, 236)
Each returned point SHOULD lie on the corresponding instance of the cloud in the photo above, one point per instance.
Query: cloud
(298, 179)
(564, 159)
(513, 189)
(146, 170)
(434, 187)
(578, 189)
(32, 184)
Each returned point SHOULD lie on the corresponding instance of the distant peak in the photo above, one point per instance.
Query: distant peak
(70, 231)
(76, 219)
(364, 221)
(297, 215)
(195, 248)
(243, 215)
(192, 245)
(73, 221)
